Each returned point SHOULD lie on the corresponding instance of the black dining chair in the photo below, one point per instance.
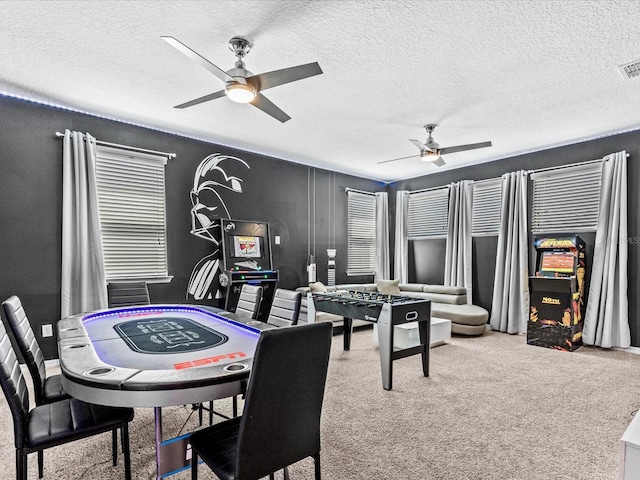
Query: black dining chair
(280, 424)
(249, 301)
(45, 388)
(127, 294)
(247, 307)
(57, 422)
(285, 308)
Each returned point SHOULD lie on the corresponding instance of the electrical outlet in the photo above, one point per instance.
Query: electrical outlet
(277, 239)
(47, 330)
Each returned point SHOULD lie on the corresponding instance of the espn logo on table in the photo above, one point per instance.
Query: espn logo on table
(208, 360)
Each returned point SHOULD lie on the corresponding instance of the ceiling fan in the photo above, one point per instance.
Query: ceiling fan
(241, 85)
(430, 151)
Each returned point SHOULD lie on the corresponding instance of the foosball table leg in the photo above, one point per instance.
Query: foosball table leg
(385, 345)
(346, 334)
(424, 327)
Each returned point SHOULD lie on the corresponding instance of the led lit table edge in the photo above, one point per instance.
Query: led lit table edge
(181, 387)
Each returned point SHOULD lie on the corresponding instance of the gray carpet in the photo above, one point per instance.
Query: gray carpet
(493, 408)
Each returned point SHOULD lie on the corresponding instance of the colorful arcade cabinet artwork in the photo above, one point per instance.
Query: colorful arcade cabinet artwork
(557, 293)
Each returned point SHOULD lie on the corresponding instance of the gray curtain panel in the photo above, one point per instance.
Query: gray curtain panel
(401, 256)
(510, 304)
(382, 238)
(84, 287)
(458, 253)
(606, 322)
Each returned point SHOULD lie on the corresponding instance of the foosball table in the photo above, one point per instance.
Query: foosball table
(386, 311)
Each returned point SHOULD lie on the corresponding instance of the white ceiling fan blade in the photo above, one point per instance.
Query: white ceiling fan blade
(197, 101)
(462, 148)
(396, 159)
(423, 148)
(272, 79)
(268, 107)
(438, 162)
(418, 144)
(199, 59)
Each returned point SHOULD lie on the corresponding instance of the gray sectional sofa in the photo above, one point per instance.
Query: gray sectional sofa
(446, 302)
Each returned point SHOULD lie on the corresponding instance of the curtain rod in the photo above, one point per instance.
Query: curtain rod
(347, 190)
(127, 147)
(429, 189)
(548, 169)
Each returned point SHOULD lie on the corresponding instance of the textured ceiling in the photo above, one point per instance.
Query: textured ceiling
(527, 75)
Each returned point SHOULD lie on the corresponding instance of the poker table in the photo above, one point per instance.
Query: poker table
(156, 356)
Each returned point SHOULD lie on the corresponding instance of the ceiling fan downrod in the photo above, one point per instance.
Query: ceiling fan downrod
(240, 47)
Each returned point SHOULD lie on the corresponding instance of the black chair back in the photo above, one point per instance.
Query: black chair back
(60, 421)
(28, 345)
(249, 301)
(128, 294)
(14, 387)
(280, 424)
(285, 308)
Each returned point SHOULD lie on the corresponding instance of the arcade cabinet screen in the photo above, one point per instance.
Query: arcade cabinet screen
(246, 246)
(561, 262)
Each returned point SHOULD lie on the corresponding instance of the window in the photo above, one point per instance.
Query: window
(428, 212)
(131, 199)
(361, 233)
(566, 199)
(485, 217)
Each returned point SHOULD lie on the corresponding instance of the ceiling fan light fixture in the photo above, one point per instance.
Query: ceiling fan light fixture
(240, 92)
(428, 156)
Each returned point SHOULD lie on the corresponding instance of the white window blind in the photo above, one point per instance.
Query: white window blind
(361, 233)
(485, 217)
(566, 199)
(131, 198)
(427, 216)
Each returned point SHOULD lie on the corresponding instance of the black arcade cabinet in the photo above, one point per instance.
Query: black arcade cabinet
(246, 256)
(557, 293)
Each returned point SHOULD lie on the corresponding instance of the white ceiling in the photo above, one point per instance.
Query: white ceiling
(526, 75)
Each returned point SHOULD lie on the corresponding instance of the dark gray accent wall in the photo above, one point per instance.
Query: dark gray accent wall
(484, 248)
(484, 268)
(426, 261)
(287, 195)
(305, 206)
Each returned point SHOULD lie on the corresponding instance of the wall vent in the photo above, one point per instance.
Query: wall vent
(630, 70)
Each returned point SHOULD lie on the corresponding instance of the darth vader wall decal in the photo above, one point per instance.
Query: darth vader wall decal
(217, 178)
